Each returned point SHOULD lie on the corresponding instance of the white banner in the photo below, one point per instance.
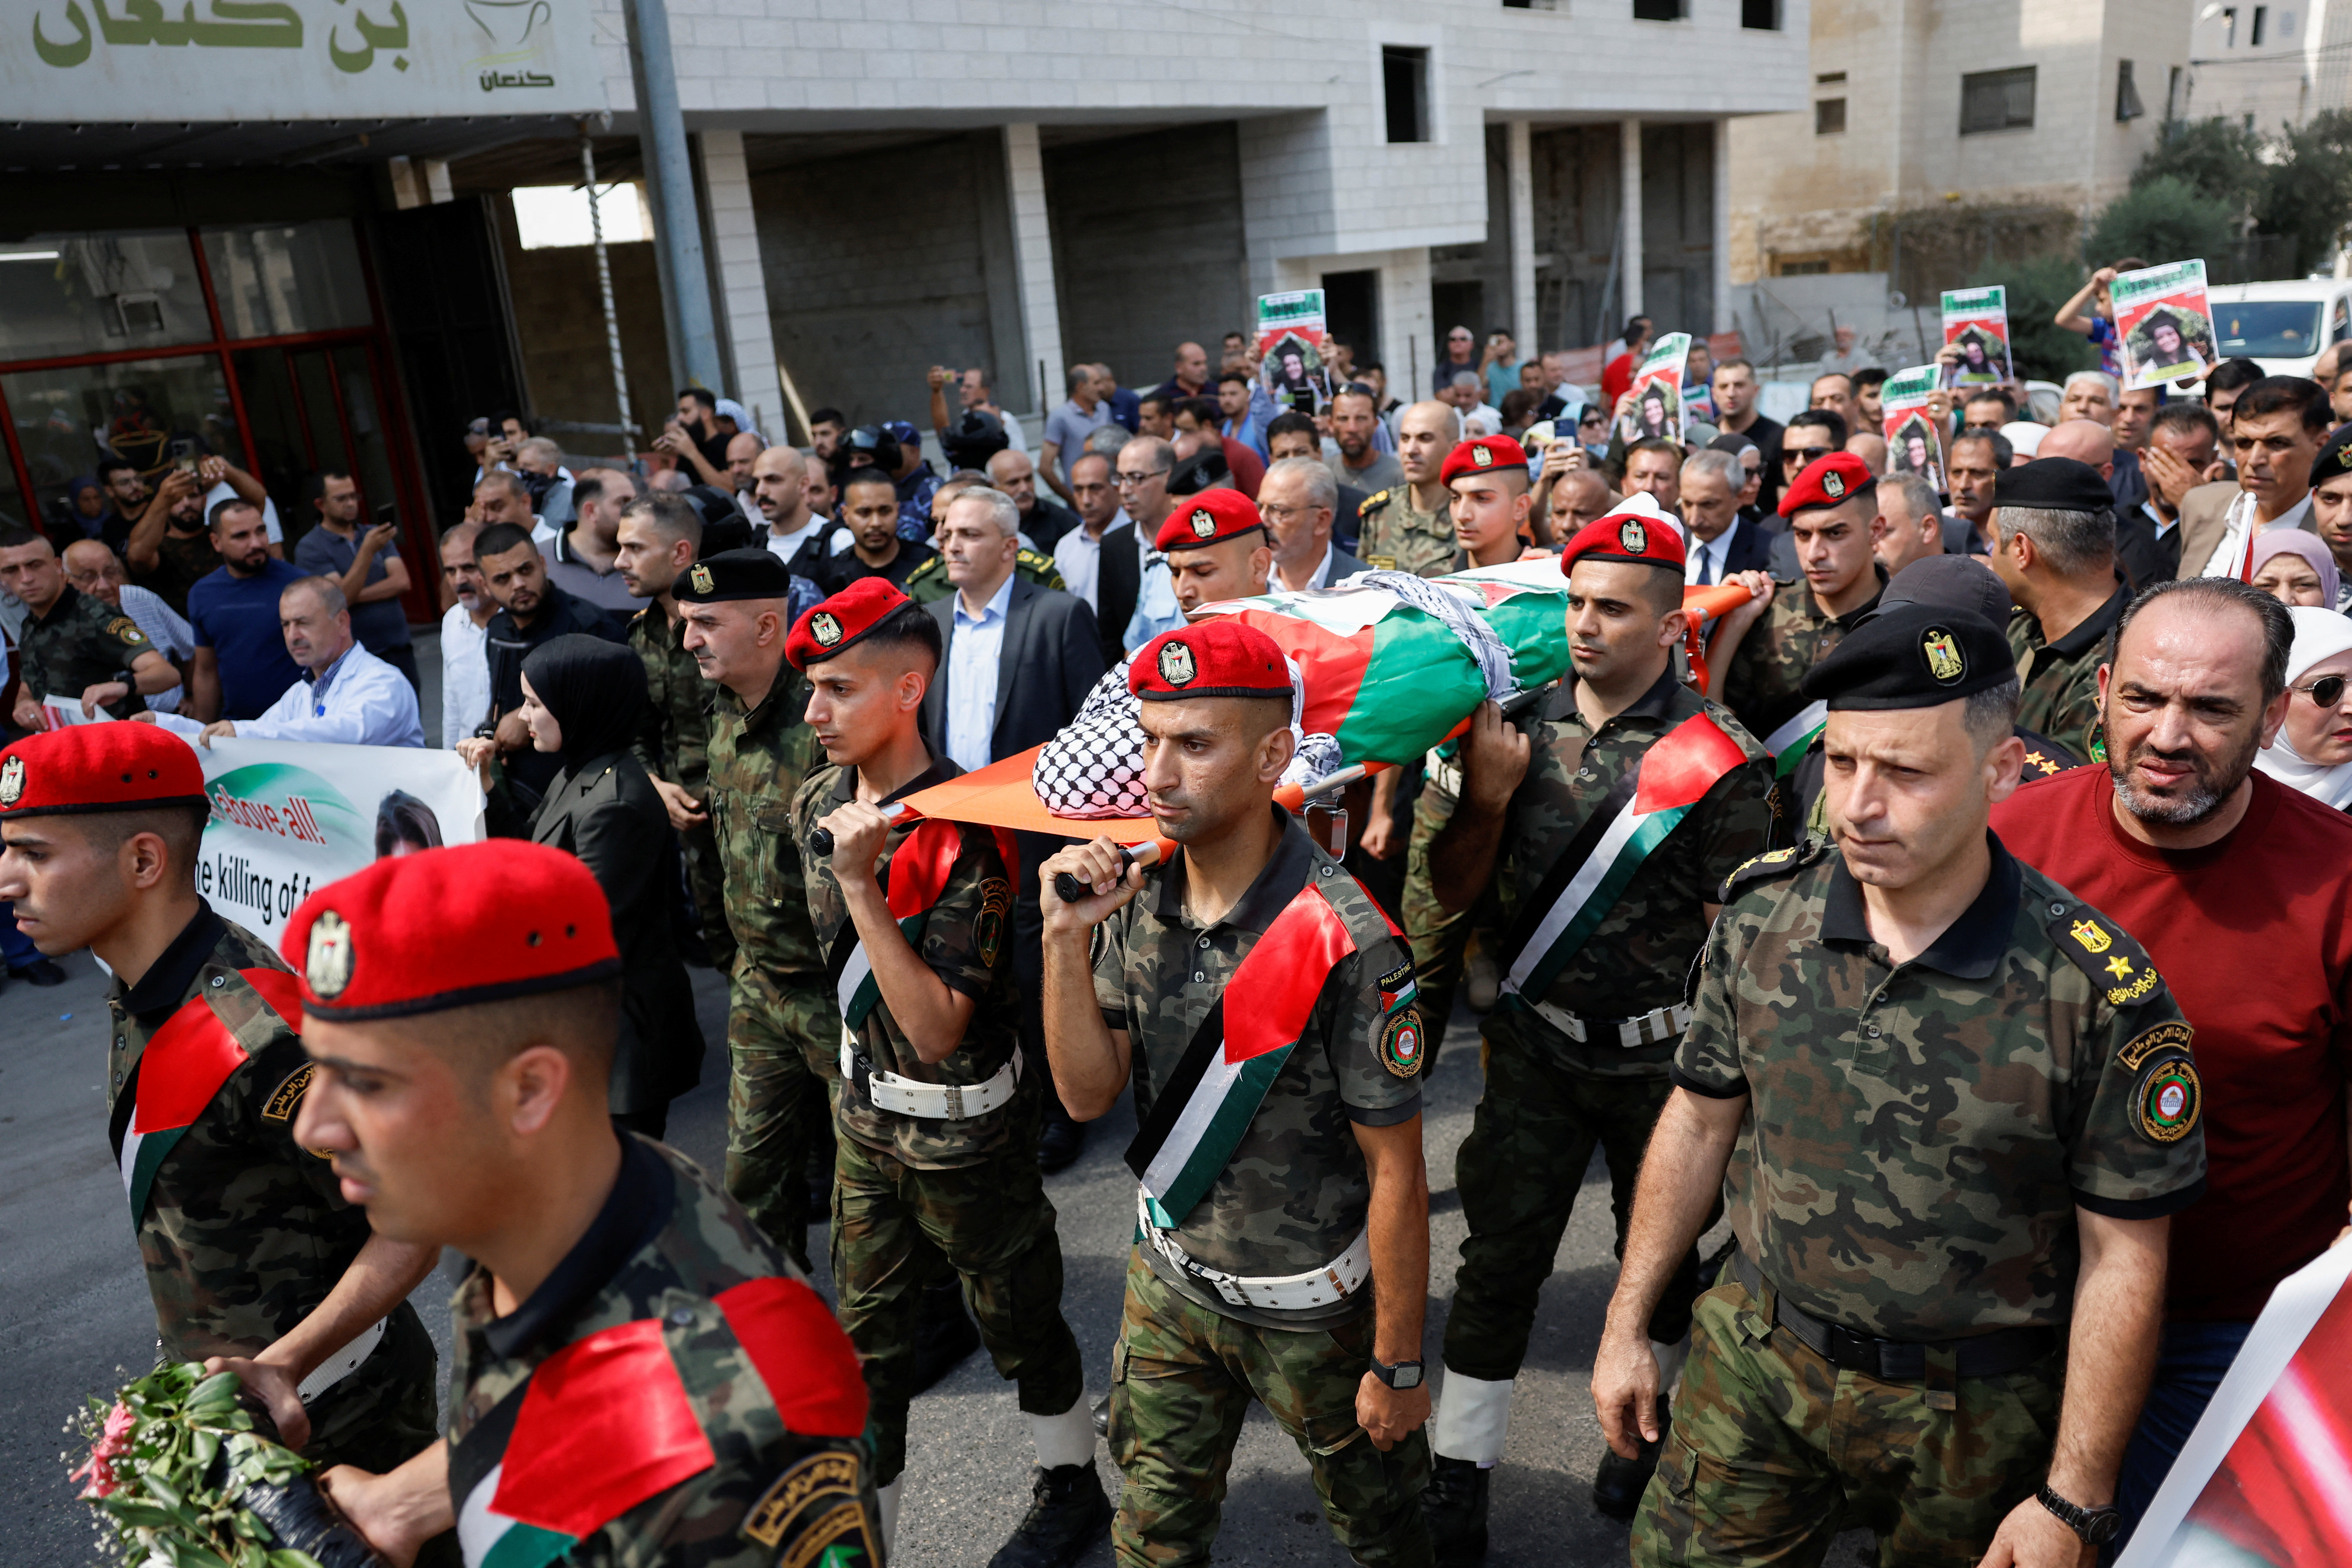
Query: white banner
(297, 59)
(290, 816)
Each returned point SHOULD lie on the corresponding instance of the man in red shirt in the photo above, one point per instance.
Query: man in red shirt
(2238, 888)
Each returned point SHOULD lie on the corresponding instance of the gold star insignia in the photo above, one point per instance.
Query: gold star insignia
(2036, 758)
(2119, 966)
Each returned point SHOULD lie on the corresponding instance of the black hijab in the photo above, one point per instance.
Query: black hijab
(596, 689)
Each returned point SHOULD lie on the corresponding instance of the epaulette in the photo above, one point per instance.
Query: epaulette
(1373, 502)
(2118, 967)
(1772, 863)
(2046, 758)
(1042, 570)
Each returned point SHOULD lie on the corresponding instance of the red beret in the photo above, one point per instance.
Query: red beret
(1630, 533)
(830, 626)
(1481, 456)
(1220, 657)
(1828, 481)
(451, 928)
(98, 767)
(1211, 517)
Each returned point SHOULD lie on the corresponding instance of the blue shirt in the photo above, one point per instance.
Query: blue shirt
(237, 617)
(974, 653)
(378, 624)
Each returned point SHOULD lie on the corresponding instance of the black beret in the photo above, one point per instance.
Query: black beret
(2053, 484)
(734, 575)
(1197, 472)
(1913, 656)
(1949, 583)
(2335, 456)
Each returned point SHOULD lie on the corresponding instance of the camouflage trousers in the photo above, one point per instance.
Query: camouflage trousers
(1182, 1376)
(782, 1070)
(995, 1225)
(1440, 941)
(703, 875)
(1518, 1173)
(1773, 1451)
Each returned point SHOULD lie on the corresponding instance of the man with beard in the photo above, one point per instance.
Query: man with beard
(2225, 876)
(465, 638)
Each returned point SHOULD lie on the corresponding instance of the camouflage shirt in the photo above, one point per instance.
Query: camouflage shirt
(1760, 687)
(1919, 1135)
(966, 941)
(755, 761)
(2062, 678)
(725, 1349)
(1397, 536)
(79, 643)
(677, 731)
(1296, 1193)
(1639, 957)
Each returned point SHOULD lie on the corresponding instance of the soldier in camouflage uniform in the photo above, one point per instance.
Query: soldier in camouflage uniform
(938, 1121)
(782, 1030)
(1761, 653)
(243, 1231)
(641, 1376)
(2056, 555)
(73, 645)
(1577, 1054)
(1284, 1251)
(1941, 1130)
(1439, 937)
(1409, 528)
(659, 537)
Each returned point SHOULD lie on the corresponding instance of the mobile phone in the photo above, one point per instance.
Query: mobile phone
(387, 517)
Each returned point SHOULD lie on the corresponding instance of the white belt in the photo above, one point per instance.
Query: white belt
(1652, 1029)
(343, 1362)
(1335, 1281)
(934, 1101)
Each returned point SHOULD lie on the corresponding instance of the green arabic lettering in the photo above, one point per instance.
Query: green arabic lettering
(372, 37)
(70, 53)
(248, 25)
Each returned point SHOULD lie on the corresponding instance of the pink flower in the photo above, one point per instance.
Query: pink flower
(113, 1442)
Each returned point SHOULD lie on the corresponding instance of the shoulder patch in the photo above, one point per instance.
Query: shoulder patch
(2118, 967)
(1399, 987)
(1772, 863)
(1401, 1042)
(126, 628)
(812, 1505)
(1376, 500)
(2172, 1035)
(995, 900)
(288, 1095)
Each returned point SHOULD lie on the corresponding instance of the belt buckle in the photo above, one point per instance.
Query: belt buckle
(955, 1101)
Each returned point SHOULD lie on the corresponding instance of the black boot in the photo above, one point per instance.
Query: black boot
(947, 1334)
(1455, 1507)
(1618, 1484)
(1067, 1513)
(1060, 1142)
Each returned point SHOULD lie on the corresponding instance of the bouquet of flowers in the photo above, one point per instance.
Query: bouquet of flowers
(180, 1479)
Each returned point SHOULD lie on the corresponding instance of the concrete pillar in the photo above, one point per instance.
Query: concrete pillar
(1408, 340)
(1518, 163)
(669, 181)
(1721, 213)
(1629, 230)
(741, 282)
(1033, 262)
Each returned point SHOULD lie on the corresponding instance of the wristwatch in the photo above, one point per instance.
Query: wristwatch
(2095, 1526)
(1404, 1374)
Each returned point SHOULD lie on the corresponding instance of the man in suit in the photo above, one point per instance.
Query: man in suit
(2276, 428)
(1298, 498)
(2183, 452)
(1140, 473)
(1721, 542)
(997, 625)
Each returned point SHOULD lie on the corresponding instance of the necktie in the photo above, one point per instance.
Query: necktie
(1706, 564)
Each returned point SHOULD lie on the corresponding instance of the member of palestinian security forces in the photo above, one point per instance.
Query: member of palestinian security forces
(1605, 830)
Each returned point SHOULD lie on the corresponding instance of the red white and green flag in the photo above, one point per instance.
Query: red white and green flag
(177, 1075)
(915, 876)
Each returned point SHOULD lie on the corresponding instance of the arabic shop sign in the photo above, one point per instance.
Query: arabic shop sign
(92, 60)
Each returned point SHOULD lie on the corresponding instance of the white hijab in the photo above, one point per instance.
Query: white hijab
(2318, 635)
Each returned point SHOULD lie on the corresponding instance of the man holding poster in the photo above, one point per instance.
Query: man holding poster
(1913, 441)
(1976, 324)
(2164, 324)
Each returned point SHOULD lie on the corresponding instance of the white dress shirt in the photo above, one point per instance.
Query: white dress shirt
(465, 676)
(1704, 562)
(171, 635)
(357, 701)
(1078, 559)
(975, 651)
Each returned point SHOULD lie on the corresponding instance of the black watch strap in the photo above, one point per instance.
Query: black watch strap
(2093, 1526)
(1402, 1374)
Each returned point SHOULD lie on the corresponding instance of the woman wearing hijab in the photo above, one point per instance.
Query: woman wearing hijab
(2313, 751)
(583, 699)
(2295, 568)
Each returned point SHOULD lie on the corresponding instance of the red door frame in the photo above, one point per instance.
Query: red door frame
(418, 542)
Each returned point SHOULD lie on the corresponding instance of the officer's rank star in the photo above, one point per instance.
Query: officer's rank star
(2119, 966)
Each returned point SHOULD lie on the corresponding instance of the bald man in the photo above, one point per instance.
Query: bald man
(779, 487)
(1410, 528)
(1043, 522)
(97, 570)
(2137, 550)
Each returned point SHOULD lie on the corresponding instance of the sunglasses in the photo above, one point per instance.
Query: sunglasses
(2324, 692)
(1804, 454)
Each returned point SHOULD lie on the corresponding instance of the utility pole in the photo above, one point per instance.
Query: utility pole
(669, 174)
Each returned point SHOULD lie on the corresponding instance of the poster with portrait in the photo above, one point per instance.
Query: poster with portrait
(1978, 320)
(1914, 436)
(1657, 410)
(1290, 340)
(2164, 325)
(2265, 1480)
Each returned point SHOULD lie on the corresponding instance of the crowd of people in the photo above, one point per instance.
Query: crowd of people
(1956, 914)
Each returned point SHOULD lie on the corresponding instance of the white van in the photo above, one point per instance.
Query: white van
(2283, 327)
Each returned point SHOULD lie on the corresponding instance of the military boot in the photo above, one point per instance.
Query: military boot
(1454, 1505)
(1618, 1484)
(946, 1335)
(1067, 1513)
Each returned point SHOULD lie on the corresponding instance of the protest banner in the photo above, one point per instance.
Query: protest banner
(290, 816)
(2265, 1480)
(1657, 411)
(1915, 438)
(1978, 320)
(2163, 327)
(1290, 339)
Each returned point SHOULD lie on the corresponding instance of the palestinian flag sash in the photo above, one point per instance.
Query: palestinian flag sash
(606, 1423)
(182, 1067)
(1200, 1114)
(911, 883)
(1790, 742)
(1640, 810)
